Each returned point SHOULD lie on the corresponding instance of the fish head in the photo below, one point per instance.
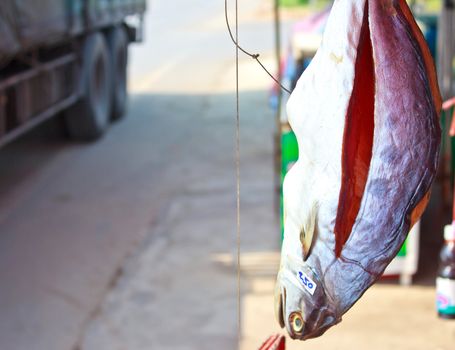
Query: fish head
(301, 302)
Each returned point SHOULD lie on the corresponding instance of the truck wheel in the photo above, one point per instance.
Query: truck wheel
(118, 46)
(89, 117)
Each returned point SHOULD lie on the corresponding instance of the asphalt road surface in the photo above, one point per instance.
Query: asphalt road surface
(72, 215)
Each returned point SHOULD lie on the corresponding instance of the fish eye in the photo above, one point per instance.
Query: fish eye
(296, 322)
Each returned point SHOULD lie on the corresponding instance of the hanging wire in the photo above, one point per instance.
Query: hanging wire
(237, 166)
(238, 48)
(254, 56)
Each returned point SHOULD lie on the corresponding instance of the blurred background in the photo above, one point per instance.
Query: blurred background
(117, 181)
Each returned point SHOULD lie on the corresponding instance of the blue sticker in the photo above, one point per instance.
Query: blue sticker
(307, 283)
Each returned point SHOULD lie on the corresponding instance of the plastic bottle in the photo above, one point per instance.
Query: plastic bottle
(445, 282)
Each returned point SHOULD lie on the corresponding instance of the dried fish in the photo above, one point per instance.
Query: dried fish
(365, 114)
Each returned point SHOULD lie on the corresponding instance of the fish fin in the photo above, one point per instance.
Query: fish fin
(419, 209)
(308, 231)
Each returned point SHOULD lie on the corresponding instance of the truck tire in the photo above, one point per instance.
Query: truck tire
(89, 117)
(117, 40)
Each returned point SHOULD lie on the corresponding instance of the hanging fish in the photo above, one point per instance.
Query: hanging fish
(365, 114)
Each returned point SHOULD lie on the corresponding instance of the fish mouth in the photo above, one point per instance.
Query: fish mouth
(280, 310)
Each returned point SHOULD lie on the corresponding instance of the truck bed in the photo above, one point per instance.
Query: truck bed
(29, 24)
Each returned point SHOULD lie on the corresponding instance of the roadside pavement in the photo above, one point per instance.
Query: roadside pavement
(179, 290)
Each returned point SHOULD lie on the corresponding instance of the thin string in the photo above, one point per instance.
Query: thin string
(237, 166)
(254, 56)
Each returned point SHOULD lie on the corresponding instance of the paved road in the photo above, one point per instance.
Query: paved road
(71, 215)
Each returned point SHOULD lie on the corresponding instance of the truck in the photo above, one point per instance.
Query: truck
(65, 57)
